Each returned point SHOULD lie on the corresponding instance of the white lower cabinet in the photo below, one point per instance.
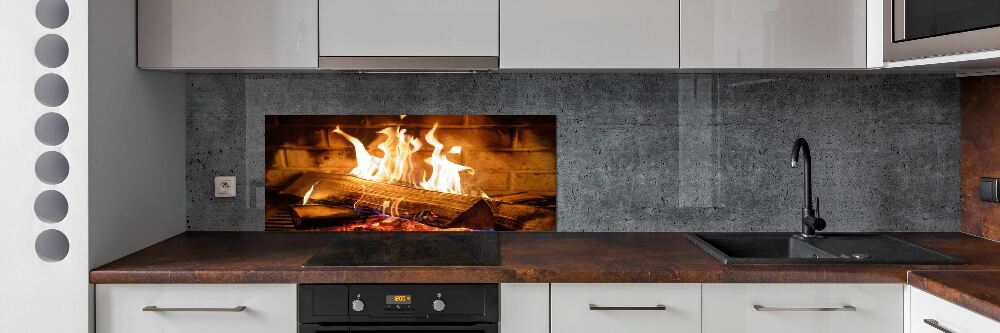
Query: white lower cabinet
(803, 308)
(628, 307)
(524, 307)
(569, 308)
(930, 314)
(188, 308)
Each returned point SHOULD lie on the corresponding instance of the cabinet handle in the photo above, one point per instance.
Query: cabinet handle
(934, 323)
(159, 309)
(769, 308)
(595, 307)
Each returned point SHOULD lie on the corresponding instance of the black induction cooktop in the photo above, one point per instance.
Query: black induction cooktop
(409, 249)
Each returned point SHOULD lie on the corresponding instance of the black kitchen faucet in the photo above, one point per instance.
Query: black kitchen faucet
(810, 222)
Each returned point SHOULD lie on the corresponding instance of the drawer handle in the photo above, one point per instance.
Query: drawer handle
(769, 308)
(159, 309)
(934, 323)
(595, 307)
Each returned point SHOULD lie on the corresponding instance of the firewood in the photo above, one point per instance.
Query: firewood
(443, 210)
(520, 217)
(318, 214)
(519, 198)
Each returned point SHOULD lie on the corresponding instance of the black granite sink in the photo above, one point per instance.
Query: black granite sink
(833, 248)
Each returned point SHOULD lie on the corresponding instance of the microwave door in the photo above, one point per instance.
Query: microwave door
(917, 19)
(915, 29)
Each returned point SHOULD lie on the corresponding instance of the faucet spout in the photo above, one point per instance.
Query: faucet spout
(802, 146)
(810, 222)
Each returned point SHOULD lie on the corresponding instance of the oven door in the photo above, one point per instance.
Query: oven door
(916, 29)
(472, 328)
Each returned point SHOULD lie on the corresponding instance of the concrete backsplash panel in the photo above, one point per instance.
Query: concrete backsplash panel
(637, 152)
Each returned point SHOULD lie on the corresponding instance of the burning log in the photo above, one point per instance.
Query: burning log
(310, 215)
(443, 210)
(513, 216)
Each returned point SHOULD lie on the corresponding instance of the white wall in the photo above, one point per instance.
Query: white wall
(137, 186)
(38, 295)
(137, 138)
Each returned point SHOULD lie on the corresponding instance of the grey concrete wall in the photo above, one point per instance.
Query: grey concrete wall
(637, 152)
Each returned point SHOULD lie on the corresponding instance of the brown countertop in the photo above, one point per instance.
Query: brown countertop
(978, 291)
(277, 257)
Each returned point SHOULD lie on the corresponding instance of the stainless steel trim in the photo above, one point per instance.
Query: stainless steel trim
(958, 43)
(821, 309)
(898, 19)
(934, 323)
(410, 63)
(240, 308)
(658, 307)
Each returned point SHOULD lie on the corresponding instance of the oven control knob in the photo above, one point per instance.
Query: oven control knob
(358, 305)
(438, 305)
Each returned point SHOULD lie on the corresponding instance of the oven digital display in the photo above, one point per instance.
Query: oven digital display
(398, 299)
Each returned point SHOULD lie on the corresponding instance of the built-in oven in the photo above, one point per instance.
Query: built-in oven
(916, 29)
(377, 308)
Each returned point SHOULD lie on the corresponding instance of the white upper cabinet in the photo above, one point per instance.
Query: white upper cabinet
(511, 34)
(227, 34)
(778, 34)
(589, 34)
(409, 28)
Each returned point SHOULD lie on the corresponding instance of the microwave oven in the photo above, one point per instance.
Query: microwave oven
(915, 29)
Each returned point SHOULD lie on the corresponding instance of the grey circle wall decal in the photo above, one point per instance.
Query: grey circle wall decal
(51, 206)
(52, 13)
(52, 168)
(51, 51)
(52, 245)
(51, 90)
(51, 129)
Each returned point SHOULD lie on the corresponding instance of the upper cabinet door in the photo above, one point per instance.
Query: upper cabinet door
(177, 34)
(414, 28)
(774, 34)
(589, 34)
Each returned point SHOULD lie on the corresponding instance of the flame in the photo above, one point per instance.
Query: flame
(444, 175)
(397, 166)
(366, 163)
(305, 199)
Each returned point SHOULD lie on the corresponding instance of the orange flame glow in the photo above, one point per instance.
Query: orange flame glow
(397, 166)
(444, 175)
(305, 199)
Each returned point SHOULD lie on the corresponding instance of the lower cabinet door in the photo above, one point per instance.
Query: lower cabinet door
(632, 308)
(930, 314)
(524, 307)
(189, 308)
(803, 308)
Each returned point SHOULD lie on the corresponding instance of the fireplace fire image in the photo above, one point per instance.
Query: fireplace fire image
(410, 173)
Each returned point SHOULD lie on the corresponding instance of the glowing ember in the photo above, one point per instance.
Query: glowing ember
(397, 165)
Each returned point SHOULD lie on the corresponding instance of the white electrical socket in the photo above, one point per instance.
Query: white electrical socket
(225, 186)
